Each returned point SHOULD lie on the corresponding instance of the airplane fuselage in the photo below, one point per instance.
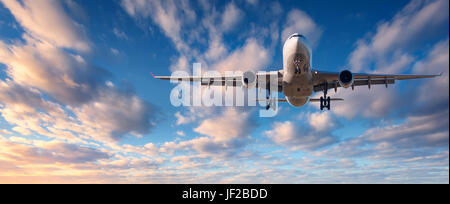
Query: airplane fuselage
(297, 74)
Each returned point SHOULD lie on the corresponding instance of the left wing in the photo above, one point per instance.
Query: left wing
(263, 79)
(329, 80)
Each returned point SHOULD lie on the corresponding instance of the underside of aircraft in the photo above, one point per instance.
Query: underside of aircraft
(298, 81)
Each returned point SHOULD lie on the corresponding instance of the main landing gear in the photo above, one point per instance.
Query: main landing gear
(325, 101)
(270, 101)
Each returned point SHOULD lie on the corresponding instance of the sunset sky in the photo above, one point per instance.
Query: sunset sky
(78, 103)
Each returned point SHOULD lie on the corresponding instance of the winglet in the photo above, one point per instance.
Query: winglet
(153, 75)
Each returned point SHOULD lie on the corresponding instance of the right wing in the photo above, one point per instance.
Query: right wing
(360, 79)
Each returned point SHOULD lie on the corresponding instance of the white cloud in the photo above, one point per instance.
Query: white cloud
(216, 50)
(168, 15)
(120, 34)
(182, 120)
(35, 16)
(116, 113)
(252, 56)
(380, 102)
(296, 137)
(232, 124)
(181, 133)
(408, 28)
(390, 51)
(412, 22)
(4, 131)
(182, 64)
(114, 51)
(50, 152)
(231, 16)
(321, 121)
(300, 22)
(252, 2)
(376, 102)
(225, 134)
(415, 132)
(176, 22)
(35, 104)
(434, 92)
(22, 130)
(416, 136)
(74, 81)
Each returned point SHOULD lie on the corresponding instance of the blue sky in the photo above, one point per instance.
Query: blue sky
(78, 104)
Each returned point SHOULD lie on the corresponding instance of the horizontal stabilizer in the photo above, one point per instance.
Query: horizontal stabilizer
(332, 99)
(278, 100)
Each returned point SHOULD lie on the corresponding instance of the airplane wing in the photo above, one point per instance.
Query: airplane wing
(329, 80)
(263, 79)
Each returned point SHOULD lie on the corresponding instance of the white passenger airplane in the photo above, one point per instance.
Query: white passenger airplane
(297, 81)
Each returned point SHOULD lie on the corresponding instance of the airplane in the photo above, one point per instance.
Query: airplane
(298, 81)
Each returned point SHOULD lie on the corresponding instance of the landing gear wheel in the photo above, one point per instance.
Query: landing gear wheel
(328, 102)
(321, 103)
(269, 101)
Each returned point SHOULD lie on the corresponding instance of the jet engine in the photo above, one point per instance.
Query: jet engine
(249, 79)
(345, 78)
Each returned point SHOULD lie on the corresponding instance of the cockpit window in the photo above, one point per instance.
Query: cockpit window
(296, 35)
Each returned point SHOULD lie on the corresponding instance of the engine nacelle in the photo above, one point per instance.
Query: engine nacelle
(345, 78)
(249, 79)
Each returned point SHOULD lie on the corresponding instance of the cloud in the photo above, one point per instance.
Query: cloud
(232, 124)
(181, 133)
(37, 161)
(231, 16)
(409, 27)
(35, 15)
(415, 132)
(252, 2)
(435, 62)
(114, 51)
(49, 152)
(381, 102)
(55, 92)
(177, 23)
(390, 50)
(225, 134)
(182, 119)
(116, 113)
(4, 131)
(168, 15)
(321, 121)
(300, 22)
(120, 34)
(373, 103)
(216, 50)
(416, 137)
(74, 81)
(12, 94)
(298, 137)
(252, 56)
